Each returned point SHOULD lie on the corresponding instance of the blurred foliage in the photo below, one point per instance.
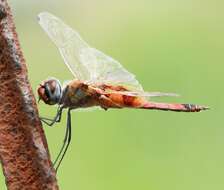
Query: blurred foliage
(171, 46)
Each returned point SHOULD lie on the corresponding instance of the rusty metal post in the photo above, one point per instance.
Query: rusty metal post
(23, 148)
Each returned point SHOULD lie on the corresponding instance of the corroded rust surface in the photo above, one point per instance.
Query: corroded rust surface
(23, 149)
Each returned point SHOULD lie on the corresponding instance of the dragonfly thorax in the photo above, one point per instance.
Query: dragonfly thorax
(50, 91)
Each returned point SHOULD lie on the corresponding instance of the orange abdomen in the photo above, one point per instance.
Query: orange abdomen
(126, 101)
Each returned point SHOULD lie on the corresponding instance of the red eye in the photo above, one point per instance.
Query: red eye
(42, 93)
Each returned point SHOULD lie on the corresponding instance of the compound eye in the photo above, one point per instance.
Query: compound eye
(50, 92)
(43, 94)
(47, 93)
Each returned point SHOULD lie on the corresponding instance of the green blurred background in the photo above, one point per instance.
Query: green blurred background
(171, 46)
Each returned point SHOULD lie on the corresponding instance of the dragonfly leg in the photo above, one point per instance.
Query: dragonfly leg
(66, 141)
(57, 118)
(63, 145)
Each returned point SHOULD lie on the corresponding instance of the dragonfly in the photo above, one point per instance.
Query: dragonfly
(99, 81)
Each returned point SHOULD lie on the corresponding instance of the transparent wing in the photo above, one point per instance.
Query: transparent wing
(85, 63)
(109, 71)
(89, 109)
(68, 42)
(141, 94)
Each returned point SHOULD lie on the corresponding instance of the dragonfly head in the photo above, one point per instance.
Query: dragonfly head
(50, 91)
